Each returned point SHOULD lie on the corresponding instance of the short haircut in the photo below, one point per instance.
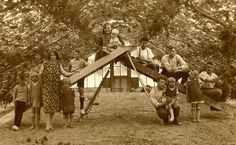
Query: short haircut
(170, 48)
(77, 51)
(171, 79)
(144, 39)
(21, 76)
(115, 31)
(209, 63)
(161, 78)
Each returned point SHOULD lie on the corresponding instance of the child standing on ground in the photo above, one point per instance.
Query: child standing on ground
(67, 100)
(20, 98)
(76, 64)
(194, 95)
(35, 96)
(171, 96)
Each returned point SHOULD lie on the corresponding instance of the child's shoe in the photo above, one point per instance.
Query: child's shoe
(172, 118)
(15, 128)
(32, 128)
(36, 127)
(71, 126)
(82, 112)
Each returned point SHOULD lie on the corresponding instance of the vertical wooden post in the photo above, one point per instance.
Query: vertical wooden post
(112, 76)
(128, 79)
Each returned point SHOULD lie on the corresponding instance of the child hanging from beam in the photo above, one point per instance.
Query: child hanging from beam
(77, 64)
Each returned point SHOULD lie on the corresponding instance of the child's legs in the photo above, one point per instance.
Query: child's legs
(81, 97)
(193, 111)
(33, 116)
(47, 119)
(198, 111)
(171, 112)
(175, 103)
(70, 116)
(80, 84)
(51, 120)
(37, 115)
(66, 116)
(19, 110)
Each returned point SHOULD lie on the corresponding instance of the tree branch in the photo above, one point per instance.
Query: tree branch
(205, 14)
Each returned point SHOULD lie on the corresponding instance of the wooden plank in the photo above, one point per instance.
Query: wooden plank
(226, 108)
(140, 67)
(99, 63)
(89, 106)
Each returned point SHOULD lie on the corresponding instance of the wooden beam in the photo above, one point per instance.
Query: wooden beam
(140, 67)
(99, 64)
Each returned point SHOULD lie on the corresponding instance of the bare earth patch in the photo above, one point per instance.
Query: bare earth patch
(127, 118)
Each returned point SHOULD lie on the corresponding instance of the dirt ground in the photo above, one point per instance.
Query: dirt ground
(127, 118)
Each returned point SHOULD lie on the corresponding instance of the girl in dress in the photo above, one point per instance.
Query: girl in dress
(67, 102)
(194, 94)
(36, 99)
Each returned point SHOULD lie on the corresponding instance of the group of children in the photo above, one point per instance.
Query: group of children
(193, 93)
(28, 93)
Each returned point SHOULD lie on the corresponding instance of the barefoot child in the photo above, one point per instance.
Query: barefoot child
(67, 100)
(20, 98)
(171, 96)
(36, 100)
(194, 94)
(77, 64)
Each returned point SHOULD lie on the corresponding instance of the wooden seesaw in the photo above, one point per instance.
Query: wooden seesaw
(122, 54)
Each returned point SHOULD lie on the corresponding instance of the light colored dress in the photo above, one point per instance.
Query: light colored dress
(35, 94)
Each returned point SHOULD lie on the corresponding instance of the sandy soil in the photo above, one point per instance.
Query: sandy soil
(128, 118)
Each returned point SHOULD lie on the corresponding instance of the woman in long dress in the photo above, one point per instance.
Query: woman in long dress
(51, 87)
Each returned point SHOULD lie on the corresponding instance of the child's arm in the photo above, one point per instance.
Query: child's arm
(28, 99)
(85, 63)
(15, 94)
(187, 93)
(41, 96)
(66, 73)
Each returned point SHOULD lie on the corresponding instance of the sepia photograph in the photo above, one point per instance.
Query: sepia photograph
(118, 72)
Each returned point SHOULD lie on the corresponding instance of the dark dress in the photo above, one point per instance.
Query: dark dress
(195, 94)
(51, 87)
(67, 100)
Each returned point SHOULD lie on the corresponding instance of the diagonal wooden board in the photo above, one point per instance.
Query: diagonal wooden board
(100, 63)
(140, 67)
(155, 75)
(226, 108)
